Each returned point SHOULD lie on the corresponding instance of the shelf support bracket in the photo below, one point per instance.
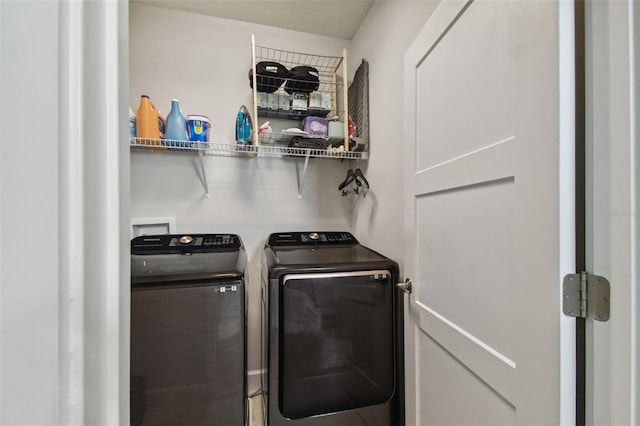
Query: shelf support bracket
(304, 172)
(204, 173)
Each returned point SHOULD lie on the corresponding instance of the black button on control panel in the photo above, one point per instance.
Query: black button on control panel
(218, 240)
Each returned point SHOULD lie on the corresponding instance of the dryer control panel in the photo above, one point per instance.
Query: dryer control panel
(284, 239)
(167, 244)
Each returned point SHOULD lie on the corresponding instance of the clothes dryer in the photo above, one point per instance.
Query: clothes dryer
(332, 332)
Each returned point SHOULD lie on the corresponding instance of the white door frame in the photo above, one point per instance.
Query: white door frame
(612, 94)
(94, 213)
(65, 219)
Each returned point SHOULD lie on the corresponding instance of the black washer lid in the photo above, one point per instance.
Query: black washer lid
(164, 258)
(185, 243)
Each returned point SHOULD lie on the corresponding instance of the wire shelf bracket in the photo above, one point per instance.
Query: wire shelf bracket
(304, 172)
(204, 174)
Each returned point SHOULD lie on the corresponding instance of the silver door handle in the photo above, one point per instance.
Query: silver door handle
(405, 286)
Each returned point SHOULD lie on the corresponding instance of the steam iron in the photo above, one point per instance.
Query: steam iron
(244, 127)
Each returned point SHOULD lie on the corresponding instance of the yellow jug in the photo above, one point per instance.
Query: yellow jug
(147, 123)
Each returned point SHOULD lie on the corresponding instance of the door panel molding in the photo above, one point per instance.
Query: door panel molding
(494, 368)
(447, 175)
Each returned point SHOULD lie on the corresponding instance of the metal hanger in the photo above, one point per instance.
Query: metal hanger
(355, 177)
(358, 174)
(347, 180)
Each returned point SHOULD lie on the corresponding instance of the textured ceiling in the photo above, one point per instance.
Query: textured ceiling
(334, 18)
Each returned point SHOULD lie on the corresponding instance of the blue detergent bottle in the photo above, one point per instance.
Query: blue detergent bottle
(176, 127)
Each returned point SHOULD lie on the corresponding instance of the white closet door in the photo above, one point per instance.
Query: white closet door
(485, 238)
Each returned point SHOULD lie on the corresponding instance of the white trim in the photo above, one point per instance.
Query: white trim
(634, 21)
(72, 250)
(124, 214)
(612, 346)
(94, 240)
(567, 207)
(111, 237)
(1, 257)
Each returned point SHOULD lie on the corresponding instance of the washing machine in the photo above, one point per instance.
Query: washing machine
(188, 330)
(332, 345)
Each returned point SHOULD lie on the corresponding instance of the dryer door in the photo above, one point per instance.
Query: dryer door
(336, 342)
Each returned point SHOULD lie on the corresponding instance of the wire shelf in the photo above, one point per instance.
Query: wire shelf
(236, 150)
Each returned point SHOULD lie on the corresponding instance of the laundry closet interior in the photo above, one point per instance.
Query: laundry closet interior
(203, 61)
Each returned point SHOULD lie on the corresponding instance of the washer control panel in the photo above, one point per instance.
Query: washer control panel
(283, 239)
(161, 244)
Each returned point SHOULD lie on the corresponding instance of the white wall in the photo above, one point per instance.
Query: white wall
(29, 213)
(204, 61)
(382, 40)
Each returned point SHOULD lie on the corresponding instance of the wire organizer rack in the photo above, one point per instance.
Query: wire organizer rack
(327, 66)
(277, 93)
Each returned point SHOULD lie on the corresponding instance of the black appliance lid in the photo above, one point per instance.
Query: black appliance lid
(297, 256)
(192, 243)
(299, 249)
(163, 258)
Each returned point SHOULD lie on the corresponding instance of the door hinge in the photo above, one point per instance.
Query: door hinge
(585, 295)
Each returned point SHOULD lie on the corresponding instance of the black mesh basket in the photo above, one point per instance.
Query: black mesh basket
(302, 79)
(269, 76)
